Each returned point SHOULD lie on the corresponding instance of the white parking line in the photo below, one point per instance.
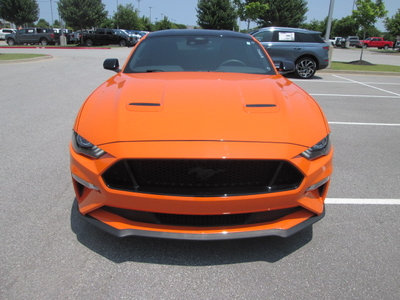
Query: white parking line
(364, 124)
(362, 201)
(367, 85)
(357, 96)
(340, 81)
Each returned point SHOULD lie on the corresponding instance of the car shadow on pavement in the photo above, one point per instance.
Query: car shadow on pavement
(183, 252)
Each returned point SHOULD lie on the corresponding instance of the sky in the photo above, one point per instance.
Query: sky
(184, 11)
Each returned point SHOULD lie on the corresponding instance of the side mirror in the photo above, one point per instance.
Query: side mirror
(286, 67)
(112, 64)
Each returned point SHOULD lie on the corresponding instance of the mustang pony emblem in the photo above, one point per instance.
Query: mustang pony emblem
(204, 174)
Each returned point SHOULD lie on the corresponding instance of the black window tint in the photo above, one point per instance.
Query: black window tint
(306, 38)
(264, 36)
(317, 38)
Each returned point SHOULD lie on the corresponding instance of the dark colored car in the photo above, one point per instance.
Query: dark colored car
(105, 36)
(305, 48)
(33, 35)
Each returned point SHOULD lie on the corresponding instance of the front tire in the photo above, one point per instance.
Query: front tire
(43, 42)
(305, 68)
(89, 43)
(10, 42)
(122, 43)
(386, 47)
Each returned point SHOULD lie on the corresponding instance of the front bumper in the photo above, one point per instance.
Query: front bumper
(121, 212)
(201, 234)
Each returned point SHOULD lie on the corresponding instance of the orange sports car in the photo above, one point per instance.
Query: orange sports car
(199, 137)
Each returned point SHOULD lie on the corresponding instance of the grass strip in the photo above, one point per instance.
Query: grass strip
(336, 65)
(12, 56)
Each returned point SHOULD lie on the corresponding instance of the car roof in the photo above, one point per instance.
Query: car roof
(196, 32)
(273, 28)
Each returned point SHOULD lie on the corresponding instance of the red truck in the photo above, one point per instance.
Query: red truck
(376, 42)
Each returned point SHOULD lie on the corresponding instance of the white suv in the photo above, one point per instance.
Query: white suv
(5, 31)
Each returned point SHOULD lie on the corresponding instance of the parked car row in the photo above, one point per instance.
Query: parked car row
(45, 36)
(354, 41)
(350, 41)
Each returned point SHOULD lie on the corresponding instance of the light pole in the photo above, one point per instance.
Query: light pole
(51, 9)
(139, 7)
(117, 15)
(150, 13)
(328, 28)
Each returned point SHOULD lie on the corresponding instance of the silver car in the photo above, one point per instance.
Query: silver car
(305, 48)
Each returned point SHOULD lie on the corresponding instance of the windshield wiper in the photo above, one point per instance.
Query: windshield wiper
(154, 70)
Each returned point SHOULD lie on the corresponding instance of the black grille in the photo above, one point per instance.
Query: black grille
(201, 220)
(202, 177)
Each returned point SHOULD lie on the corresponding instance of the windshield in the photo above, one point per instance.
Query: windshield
(199, 54)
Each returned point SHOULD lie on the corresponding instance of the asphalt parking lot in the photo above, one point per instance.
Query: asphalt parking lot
(47, 252)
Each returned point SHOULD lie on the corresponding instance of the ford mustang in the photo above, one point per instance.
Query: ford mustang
(198, 136)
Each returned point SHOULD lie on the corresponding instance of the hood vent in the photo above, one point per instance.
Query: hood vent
(260, 105)
(144, 104)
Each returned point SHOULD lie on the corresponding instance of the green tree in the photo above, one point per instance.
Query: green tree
(345, 26)
(286, 13)
(19, 12)
(163, 24)
(216, 14)
(179, 26)
(126, 17)
(43, 23)
(366, 14)
(56, 24)
(108, 23)
(146, 24)
(318, 25)
(370, 31)
(250, 10)
(81, 14)
(392, 24)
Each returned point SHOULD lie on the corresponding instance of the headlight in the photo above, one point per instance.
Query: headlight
(319, 149)
(83, 146)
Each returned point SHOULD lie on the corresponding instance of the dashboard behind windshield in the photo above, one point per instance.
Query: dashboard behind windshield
(199, 54)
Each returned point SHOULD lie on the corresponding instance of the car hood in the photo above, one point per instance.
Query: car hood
(200, 107)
